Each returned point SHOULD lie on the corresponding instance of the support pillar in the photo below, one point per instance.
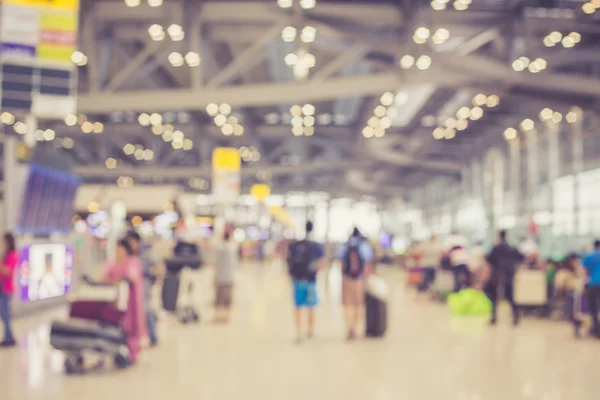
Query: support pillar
(10, 161)
(552, 133)
(577, 149)
(533, 171)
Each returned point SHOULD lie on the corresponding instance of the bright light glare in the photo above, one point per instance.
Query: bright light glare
(407, 61)
(192, 59)
(424, 62)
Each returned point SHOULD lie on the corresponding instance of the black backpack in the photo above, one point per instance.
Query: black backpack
(300, 260)
(354, 264)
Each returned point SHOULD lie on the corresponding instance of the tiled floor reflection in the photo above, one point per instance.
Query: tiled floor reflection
(426, 356)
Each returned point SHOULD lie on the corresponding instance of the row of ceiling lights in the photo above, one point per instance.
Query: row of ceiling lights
(305, 4)
(41, 135)
(567, 41)
(167, 131)
(223, 118)
(198, 183)
(138, 152)
(307, 35)
(381, 120)
(464, 114)
(422, 62)
(136, 3)
(249, 154)
(422, 34)
(78, 58)
(86, 125)
(303, 120)
(459, 5)
(125, 181)
(321, 119)
(175, 32)
(535, 66)
(591, 7)
(546, 115)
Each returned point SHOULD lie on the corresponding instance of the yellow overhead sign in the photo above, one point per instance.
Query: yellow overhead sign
(70, 5)
(226, 159)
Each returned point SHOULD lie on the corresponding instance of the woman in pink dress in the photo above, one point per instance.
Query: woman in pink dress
(128, 267)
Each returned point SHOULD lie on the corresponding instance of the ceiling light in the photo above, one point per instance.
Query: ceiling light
(309, 130)
(159, 129)
(285, 3)
(167, 136)
(188, 144)
(450, 123)
(527, 125)
(588, 8)
(518, 65)
(546, 114)
(380, 111)
(576, 36)
(148, 155)
(128, 149)
(192, 59)
(297, 120)
(308, 109)
(387, 99)
(20, 128)
(39, 135)
(238, 130)
(510, 134)
(7, 118)
(155, 3)
(309, 120)
(385, 123)
(462, 124)
(68, 143)
(401, 98)
(79, 58)
(225, 109)
(555, 36)
(87, 127)
(110, 163)
(291, 59)
(476, 113)
(379, 132)
(373, 122)
(288, 34)
(308, 34)
(49, 134)
(176, 59)
(297, 130)
(418, 40)
(308, 4)
(392, 113)
(423, 63)
(368, 132)
(533, 68)
(144, 119)
(132, 3)
(71, 120)
(439, 133)
(220, 120)
(449, 133)
(98, 127)
(138, 154)
(177, 145)
(156, 119)
(525, 60)
(540, 63)
(442, 35)
(176, 32)
(571, 117)
(422, 33)
(295, 110)
(407, 61)
(568, 42)
(548, 42)
(156, 32)
(227, 129)
(212, 109)
(178, 136)
(479, 99)
(557, 117)
(458, 6)
(463, 112)
(438, 5)
(492, 101)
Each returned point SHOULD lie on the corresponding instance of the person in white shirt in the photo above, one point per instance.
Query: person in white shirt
(456, 248)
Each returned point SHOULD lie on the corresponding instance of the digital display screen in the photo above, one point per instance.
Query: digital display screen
(45, 271)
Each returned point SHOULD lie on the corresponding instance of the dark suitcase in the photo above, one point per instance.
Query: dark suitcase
(170, 292)
(376, 315)
(77, 336)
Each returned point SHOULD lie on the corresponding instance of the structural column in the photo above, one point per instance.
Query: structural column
(553, 132)
(11, 210)
(514, 155)
(533, 171)
(577, 149)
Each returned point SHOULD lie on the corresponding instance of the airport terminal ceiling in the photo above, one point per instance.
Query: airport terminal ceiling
(348, 97)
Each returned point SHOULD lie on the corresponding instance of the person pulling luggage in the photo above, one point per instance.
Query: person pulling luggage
(356, 256)
(305, 258)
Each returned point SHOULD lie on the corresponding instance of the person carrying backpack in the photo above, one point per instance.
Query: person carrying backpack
(356, 257)
(305, 258)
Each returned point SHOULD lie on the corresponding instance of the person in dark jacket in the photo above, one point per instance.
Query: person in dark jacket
(504, 261)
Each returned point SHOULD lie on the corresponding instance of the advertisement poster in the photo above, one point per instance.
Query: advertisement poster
(45, 271)
(226, 175)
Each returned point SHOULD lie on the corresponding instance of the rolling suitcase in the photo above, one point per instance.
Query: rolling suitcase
(376, 307)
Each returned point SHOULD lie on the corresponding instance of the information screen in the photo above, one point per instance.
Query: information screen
(45, 271)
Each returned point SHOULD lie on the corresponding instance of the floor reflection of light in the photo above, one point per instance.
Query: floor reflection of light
(37, 340)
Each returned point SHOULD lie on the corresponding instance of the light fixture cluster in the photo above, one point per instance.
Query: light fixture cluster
(79, 59)
(408, 61)
(303, 120)
(381, 120)
(45, 135)
(136, 3)
(464, 114)
(308, 34)
(422, 34)
(198, 183)
(223, 118)
(301, 62)
(249, 154)
(86, 125)
(111, 163)
(191, 58)
(535, 66)
(167, 131)
(125, 181)
(591, 7)
(305, 4)
(567, 41)
(138, 152)
(459, 5)
(548, 114)
(175, 32)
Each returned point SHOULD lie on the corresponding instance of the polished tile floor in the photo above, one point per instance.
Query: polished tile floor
(425, 356)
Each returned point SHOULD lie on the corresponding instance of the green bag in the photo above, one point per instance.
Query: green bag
(469, 302)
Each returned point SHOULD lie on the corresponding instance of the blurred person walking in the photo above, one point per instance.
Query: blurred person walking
(7, 289)
(150, 275)
(305, 258)
(455, 247)
(356, 256)
(591, 263)
(432, 253)
(226, 263)
(503, 261)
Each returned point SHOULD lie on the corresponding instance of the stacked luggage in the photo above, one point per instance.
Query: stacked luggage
(94, 327)
(181, 281)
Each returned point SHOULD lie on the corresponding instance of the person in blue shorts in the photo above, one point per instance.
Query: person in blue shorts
(305, 258)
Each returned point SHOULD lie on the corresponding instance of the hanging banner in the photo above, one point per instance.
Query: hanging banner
(226, 175)
(37, 39)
